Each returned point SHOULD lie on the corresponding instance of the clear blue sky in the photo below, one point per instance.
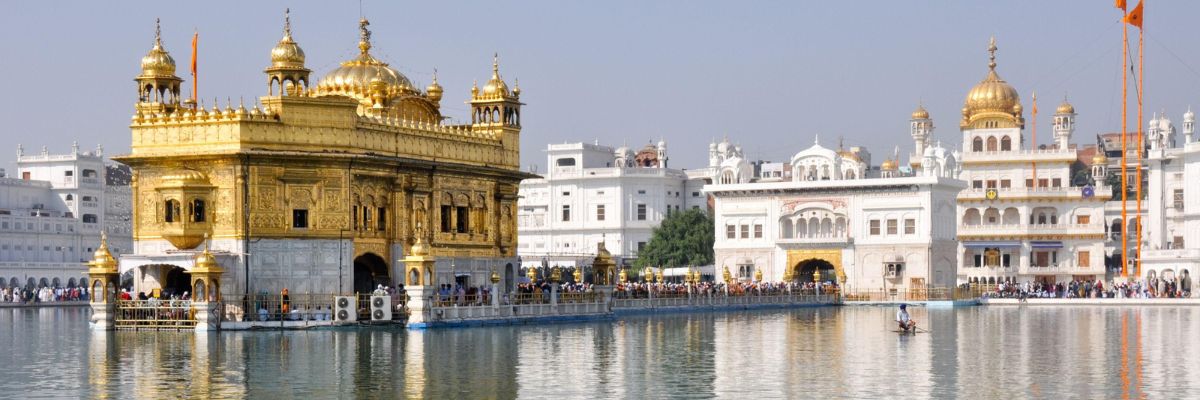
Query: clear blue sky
(769, 74)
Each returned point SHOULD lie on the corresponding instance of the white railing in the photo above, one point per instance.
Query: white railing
(1030, 229)
(816, 239)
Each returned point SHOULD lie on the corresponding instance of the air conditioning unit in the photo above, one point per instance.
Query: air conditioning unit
(381, 309)
(345, 309)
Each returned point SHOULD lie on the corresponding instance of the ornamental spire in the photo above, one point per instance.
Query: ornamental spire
(364, 38)
(157, 33)
(496, 65)
(287, 23)
(992, 54)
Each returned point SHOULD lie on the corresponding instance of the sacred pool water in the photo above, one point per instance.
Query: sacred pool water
(839, 352)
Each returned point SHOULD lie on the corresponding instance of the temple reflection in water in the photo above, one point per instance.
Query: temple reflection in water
(843, 352)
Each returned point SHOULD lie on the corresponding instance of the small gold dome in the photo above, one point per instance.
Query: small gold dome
(287, 54)
(1065, 108)
(102, 259)
(849, 155)
(433, 92)
(158, 62)
(419, 249)
(888, 165)
(1099, 158)
(495, 86)
(920, 113)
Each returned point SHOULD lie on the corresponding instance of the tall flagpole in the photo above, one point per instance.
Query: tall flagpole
(1033, 146)
(1124, 146)
(1141, 94)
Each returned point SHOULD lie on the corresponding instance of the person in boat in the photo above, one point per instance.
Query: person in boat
(903, 319)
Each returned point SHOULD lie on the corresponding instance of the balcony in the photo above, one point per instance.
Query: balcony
(1062, 269)
(1046, 155)
(1030, 230)
(817, 239)
(1068, 192)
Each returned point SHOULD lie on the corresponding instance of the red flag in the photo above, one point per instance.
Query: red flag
(1121, 4)
(1135, 17)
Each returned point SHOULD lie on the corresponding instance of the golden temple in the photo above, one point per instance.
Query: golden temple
(362, 160)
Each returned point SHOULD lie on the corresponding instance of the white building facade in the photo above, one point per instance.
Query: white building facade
(592, 193)
(1022, 217)
(52, 211)
(829, 215)
(1171, 240)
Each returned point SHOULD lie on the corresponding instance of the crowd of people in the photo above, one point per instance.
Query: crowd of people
(1091, 288)
(28, 295)
(667, 289)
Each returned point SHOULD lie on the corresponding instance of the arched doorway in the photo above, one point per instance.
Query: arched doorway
(176, 282)
(370, 270)
(803, 271)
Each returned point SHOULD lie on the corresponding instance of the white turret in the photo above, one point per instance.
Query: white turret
(1064, 124)
(921, 128)
(662, 153)
(1189, 125)
(714, 158)
(1153, 133)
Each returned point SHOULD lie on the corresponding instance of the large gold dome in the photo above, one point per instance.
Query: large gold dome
(992, 103)
(353, 78)
(992, 94)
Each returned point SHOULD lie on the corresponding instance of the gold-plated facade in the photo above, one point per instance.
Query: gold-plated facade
(362, 156)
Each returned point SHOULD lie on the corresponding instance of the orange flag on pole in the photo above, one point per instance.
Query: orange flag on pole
(1135, 17)
(195, 44)
(1121, 4)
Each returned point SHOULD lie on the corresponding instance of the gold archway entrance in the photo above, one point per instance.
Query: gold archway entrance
(806, 257)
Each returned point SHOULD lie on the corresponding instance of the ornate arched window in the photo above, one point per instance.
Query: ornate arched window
(977, 144)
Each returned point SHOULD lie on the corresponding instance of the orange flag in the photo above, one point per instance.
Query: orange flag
(195, 43)
(1135, 17)
(1121, 4)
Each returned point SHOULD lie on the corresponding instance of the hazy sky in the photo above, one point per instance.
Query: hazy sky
(767, 74)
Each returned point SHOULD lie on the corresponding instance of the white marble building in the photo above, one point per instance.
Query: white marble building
(1023, 218)
(52, 211)
(591, 193)
(830, 211)
(1172, 227)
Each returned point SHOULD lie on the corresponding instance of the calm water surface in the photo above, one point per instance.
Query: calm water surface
(841, 352)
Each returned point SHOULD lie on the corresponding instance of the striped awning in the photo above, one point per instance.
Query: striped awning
(1046, 244)
(992, 243)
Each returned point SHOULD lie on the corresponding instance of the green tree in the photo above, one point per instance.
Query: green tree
(683, 238)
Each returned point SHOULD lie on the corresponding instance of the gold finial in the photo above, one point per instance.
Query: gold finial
(364, 39)
(992, 54)
(287, 22)
(435, 76)
(157, 34)
(496, 65)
